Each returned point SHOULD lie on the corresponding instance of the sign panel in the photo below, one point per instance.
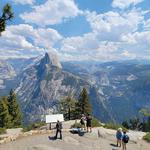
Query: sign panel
(54, 118)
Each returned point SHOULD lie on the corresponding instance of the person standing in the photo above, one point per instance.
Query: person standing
(58, 129)
(119, 135)
(125, 140)
(89, 123)
(83, 122)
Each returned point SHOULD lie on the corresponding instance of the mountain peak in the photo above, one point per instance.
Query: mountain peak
(52, 59)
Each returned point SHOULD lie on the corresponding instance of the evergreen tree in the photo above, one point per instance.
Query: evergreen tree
(6, 15)
(146, 119)
(84, 106)
(14, 109)
(125, 124)
(67, 107)
(78, 110)
(5, 118)
(134, 123)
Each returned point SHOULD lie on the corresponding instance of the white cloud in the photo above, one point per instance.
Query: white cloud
(122, 4)
(24, 2)
(140, 38)
(47, 37)
(128, 55)
(137, 44)
(11, 41)
(51, 12)
(26, 40)
(115, 36)
(147, 25)
(88, 47)
(111, 25)
(44, 37)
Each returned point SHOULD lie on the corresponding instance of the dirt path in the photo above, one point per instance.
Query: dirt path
(69, 142)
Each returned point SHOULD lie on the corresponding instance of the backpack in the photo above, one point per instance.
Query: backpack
(59, 126)
(82, 121)
(125, 139)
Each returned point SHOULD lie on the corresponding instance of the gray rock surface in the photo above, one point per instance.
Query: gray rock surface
(43, 147)
(90, 141)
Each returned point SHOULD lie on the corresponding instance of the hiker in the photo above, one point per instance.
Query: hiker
(119, 135)
(58, 129)
(83, 122)
(125, 139)
(89, 123)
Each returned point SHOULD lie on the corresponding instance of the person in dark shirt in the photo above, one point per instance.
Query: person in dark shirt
(83, 122)
(125, 140)
(89, 123)
(58, 129)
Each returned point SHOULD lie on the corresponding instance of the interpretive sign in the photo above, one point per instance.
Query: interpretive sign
(53, 118)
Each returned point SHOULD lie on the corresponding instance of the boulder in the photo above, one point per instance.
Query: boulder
(16, 131)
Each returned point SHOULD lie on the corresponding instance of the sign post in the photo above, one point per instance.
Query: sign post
(53, 119)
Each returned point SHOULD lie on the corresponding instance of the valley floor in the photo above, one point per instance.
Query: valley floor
(89, 141)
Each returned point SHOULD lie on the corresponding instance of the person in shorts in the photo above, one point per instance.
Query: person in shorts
(125, 140)
(83, 122)
(89, 123)
(119, 135)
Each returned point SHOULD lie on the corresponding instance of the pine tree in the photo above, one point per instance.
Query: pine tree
(84, 106)
(7, 15)
(125, 124)
(14, 109)
(67, 107)
(5, 118)
(78, 110)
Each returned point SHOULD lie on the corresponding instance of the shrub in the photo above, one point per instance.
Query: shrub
(147, 137)
(33, 126)
(114, 126)
(96, 123)
(2, 130)
(76, 125)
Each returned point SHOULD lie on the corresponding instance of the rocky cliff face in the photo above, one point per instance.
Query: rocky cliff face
(123, 86)
(6, 73)
(44, 83)
(117, 90)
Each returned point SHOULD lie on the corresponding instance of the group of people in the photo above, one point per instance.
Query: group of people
(122, 138)
(86, 122)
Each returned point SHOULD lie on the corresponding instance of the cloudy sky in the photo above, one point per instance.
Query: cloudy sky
(102, 30)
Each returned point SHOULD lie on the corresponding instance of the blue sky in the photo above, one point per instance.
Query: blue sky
(101, 30)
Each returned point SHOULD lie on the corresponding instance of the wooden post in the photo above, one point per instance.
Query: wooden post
(50, 126)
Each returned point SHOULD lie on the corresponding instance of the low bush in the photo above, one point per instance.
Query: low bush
(147, 137)
(76, 125)
(96, 123)
(114, 126)
(2, 130)
(33, 126)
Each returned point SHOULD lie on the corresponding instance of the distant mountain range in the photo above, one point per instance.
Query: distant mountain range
(117, 90)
